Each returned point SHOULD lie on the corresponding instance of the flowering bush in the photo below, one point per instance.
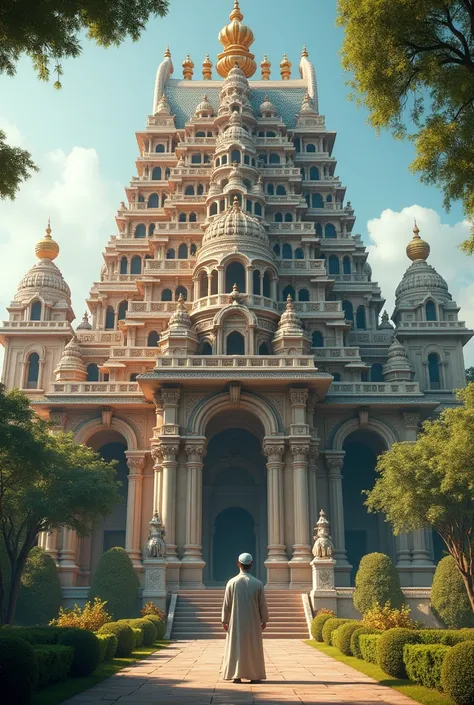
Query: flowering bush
(91, 617)
(387, 617)
(151, 608)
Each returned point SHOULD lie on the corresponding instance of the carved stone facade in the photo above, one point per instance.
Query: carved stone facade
(235, 362)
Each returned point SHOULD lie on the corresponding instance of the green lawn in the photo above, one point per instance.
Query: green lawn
(423, 695)
(59, 692)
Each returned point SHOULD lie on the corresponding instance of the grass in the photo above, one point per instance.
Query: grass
(59, 692)
(426, 696)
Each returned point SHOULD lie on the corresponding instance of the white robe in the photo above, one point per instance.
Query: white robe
(244, 610)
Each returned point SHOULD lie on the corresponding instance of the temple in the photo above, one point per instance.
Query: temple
(235, 358)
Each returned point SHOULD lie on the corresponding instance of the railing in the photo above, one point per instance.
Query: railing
(99, 336)
(374, 388)
(152, 265)
(314, 306)
(180, 171)
(335, 353)
(370, 337)
(280, 171)
(210, 361)
(432, 324)
(295, 226)
(98, 388)
(134, 353)
(175, 226)
(223, 300)
(150, 307)
(260, 141)
(180, 197)
(36, 324)
(295, 265)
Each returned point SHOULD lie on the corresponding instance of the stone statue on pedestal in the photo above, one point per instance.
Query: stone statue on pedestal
(154, 564)
(323, 594)
(155, 546)
(323, 546)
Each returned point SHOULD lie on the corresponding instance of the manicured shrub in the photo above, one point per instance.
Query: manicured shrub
(337, 633)
(330, 626)
(377, 583)
(355, 639)
(137, 636)
(149, 630)
(124, 634)
(345, 632)
(387, 617)
(457, 673)
(116, 582)
(150, 609)
(423, 663)
(318, 623)
(40, 592)
(448, 637)
(368, 647)
(390, 650)
(108, 646)
(449, 600)
(36, 635)
(86, 651)
(54, 663)
(18, 670)
(160, 625)
(92, 616)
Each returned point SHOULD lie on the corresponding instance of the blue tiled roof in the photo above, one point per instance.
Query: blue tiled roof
(183, 101)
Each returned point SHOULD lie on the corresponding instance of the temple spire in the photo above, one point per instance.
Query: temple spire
(236, 38)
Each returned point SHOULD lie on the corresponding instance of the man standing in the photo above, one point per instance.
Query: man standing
(244, 617)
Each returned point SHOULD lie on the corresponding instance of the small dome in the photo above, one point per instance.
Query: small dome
(235, 133)
(235, 180)
(421, 279)
(204, 108)
(289, 321)
(45, 279)
(236, 225)
(417, 249)
(180, 318)
(237, 78)
(84, 325)
(47, 248)
(267, 108)
(163, 107)
(71, 365)
(397, 366)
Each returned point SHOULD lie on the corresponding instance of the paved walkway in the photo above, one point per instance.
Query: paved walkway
(187, 673)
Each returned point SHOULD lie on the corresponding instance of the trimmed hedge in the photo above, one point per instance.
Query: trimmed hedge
(86, 651)
(137, 637)
(337, 634)
(423, 663)
(368, 647)
(108, 646)
(355, 639)
(345, 632)
(390, 647)
(149, 630)
(448, 637)
(54, 663)
(377, 582)
(39, 598)
(18, 670)
(457, 673)
(449, 599)
(330, 626)
(36, 635)
(116, 582)
(318, 623)
(124, 634)
(160, 625)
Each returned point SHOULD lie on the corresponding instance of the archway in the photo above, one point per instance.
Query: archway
(364, 532)
(234, 533)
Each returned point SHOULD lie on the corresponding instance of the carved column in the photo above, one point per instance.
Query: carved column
(68, 568)
(301, 547)
(169, 464)
(136, 464)
(192, 565)
(312, 472)
(48, 540)
(334, 463)
(157, 480)
(277, 560)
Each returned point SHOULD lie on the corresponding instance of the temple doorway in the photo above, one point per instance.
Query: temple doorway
(234, 504)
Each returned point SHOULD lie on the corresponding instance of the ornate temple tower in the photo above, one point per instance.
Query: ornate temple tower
(236, 364)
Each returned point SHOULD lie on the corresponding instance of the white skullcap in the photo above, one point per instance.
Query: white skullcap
(245, 559)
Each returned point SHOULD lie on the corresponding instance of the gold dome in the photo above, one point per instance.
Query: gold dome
(188, 66)
(236, 38)
(266, 68)
(417, 249)
(47, 248)
(285, 68)
(207, 68)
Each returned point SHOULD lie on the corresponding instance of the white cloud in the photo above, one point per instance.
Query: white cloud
(13, 134)
(389, 236)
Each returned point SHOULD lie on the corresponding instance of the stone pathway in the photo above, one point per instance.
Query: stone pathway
(187, 673)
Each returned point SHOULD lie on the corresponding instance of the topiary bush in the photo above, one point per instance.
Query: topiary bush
(36, 635)
(457, 673)
(368, 647)
(376, 583)
(116, 582)
(18, 670)
(449, 600)
(108, 646)
(345, 632)
(355, 639)
(337, 633)
(423, 663)
(39, 598)
(390, 650)
(86, 651)
(159, 623)
(318, 623)
(148, 629)
(124, 634)
(54, 663)
(330, 626)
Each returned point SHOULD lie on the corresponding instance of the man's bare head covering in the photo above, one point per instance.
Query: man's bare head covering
(245, 559)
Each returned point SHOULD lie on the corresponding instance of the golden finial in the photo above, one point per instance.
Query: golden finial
(167, 53)
(305, 51)
(207, 68)
(47, 248)
(285, 68)
(188, 66)
(236, 39)
(266, 68)
(417, 249)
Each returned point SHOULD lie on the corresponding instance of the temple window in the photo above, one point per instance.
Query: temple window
(266, 284)
(235, 343)
(207, 159)
(160, 148)
(196, 159)
(141, 198)
(136, 265)
(310, 147)
(182, 218)
(235, 274)
(317, 201)
(376, 372)
(218, 161)
(262, 158)
(214, 283)
(333, 264)
(318, 229)
(163, 199)
(206, 348)
(270, 133)
(263, 349)
(189, 190)
(222, 205)
(35, 313)
(193, 250)
(109, 318)
(200, 133)
(270, 189)
(280, 190)
(329, 198)
(274, 158)
(213, 209)
(183, 251)
(430, 310)
(360, 318)
(33, 371)
(122, 310)
(303, 174)
(258, 209)
(151, 229)
(297, 144)
(170, 253)
(288, 291)
(348, 309)
(278, 217)
(156, 173)
(256, 282)
(92, 373)
(140, 231)
(248, 205)
(303, 295)
(330, 231)
(346, 265)
(200, 189)
(314, 173)
(167, 172)
(181, 291)
(224, 159)
(235, 156)
(287, 251)
(336, 375)
(364, 376)
(123, 265)
(192, 218)
(276, 250)
(317, 339)
(288, 217)
(246, 159)
(153, 201)
(299, 253)
(434, 371)
(167, 295)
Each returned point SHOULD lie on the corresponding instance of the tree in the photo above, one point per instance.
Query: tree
(116, 582)
(46, 481)
(48, 31)
(414, 61)
(377, 583)
(39, 598)
(470, 374)
(431, 483)
(449, 599)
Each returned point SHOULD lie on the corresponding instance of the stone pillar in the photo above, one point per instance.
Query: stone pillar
(277, 561)
(192, 564)
(48, 540)
(157, 480)
(301, 558)
(220, 280)
(403, 559)
(334, 463)
(68, 568)
(136, 464)
(169, 464)
(312, 488)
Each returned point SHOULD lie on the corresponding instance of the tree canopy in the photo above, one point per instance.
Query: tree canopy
(46, 481)
(413, 69)
(49, 31)
(431, 483)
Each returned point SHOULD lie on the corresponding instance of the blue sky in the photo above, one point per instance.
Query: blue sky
(83, 138)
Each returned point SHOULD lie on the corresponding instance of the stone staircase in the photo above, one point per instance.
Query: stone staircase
(198, 615)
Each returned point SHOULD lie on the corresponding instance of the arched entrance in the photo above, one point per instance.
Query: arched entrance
(364, 532)
(234, 500)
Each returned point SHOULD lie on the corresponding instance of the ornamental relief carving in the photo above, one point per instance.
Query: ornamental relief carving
(299, 451)
(278, 403)
(299, 397)
(190, 401)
